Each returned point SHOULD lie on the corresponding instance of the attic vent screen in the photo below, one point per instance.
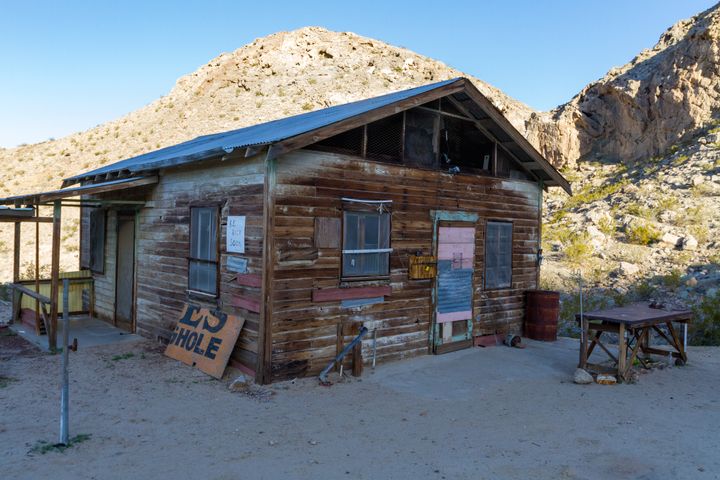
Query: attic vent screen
(448, 107)
(385, 139)
(349, 142)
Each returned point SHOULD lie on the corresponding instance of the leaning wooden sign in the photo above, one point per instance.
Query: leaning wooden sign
(204, 340)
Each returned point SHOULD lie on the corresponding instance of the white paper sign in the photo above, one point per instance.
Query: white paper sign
(236, 234)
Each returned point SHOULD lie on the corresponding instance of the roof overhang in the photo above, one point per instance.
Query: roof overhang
(93, 189)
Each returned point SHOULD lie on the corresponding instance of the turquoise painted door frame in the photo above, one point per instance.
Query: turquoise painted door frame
(460, 220)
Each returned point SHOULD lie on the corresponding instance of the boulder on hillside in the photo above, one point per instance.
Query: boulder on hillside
(689, 243)
(671, 240)
(628, 269)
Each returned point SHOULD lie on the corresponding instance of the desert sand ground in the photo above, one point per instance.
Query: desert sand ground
(481, 413)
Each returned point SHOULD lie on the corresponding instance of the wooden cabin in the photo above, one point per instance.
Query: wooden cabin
(416, 214)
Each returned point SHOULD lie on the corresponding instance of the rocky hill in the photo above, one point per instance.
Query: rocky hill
(273, 77)
(641, 145)
(664, 96)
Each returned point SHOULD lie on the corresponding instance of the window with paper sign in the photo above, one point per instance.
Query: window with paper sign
(366, 239)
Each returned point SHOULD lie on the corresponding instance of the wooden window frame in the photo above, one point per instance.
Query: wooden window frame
(101, 270)
(485, 253)
(199, 294)
(362, 208)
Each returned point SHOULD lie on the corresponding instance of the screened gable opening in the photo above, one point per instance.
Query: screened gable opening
(203, 266)
(442, 134)
(385, 139)
(420, 148)
(498, 255)
(366, 244)
(349, 143)
(463, 145)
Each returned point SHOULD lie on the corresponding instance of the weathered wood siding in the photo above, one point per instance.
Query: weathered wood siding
(162, 243)
(105, 282)
(164, 246)
(311, 184)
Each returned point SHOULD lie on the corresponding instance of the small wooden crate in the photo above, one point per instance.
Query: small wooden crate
(422, 267)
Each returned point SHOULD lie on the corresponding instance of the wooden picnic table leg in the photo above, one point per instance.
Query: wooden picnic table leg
(596, 341)
(676, 342)
(636, 347)
(622, 353)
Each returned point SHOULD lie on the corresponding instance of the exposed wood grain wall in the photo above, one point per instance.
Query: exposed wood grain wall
(162, 240)
(163, 246)
(105, 282)
(311, 184)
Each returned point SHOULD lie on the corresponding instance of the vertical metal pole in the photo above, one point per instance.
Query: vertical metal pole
(583, 326)
(54, 277)
(64, 396)
(374, 347)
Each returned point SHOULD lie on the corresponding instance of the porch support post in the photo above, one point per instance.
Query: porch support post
(37, 269)
(16, 253)
(54, 276)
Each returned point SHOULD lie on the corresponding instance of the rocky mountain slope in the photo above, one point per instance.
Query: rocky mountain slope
(641, 146)
(662, 97)
(273, 77)
(276, 76)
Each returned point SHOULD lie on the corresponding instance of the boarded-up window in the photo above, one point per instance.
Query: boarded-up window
(97, 240)
(203, 266)
(498, 255)
(366, 244)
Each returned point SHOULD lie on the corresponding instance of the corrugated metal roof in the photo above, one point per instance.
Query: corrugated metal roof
(213, 145)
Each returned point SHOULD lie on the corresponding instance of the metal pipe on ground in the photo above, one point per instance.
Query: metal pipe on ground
(323, 375)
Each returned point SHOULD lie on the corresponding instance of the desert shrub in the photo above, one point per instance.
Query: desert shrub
(644, 290)
(705, 330)
(691, 216)
(642, 211)
(578, 248)
(607, 225)
(668, 202)
(673, 280)
(700, 232)
(642, 234)
(680, 159)
(590, 194)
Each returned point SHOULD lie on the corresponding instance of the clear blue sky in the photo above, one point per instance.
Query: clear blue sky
(68, 66)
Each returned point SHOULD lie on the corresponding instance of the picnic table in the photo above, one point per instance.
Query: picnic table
(633, 324)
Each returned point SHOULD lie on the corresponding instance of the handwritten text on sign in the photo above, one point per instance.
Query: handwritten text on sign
(236, 234)
(204, 340)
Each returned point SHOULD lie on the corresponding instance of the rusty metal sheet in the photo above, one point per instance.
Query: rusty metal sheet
(204, 340)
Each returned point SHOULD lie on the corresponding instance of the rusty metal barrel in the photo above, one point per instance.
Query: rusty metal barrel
(542, 311)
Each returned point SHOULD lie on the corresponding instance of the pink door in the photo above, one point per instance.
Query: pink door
(454, 286)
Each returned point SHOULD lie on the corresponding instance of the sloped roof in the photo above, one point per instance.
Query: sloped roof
(285, 129)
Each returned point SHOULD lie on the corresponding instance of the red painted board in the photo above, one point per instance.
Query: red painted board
(334, 294)
(491, 340)
(247, 303)
(249, 280)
